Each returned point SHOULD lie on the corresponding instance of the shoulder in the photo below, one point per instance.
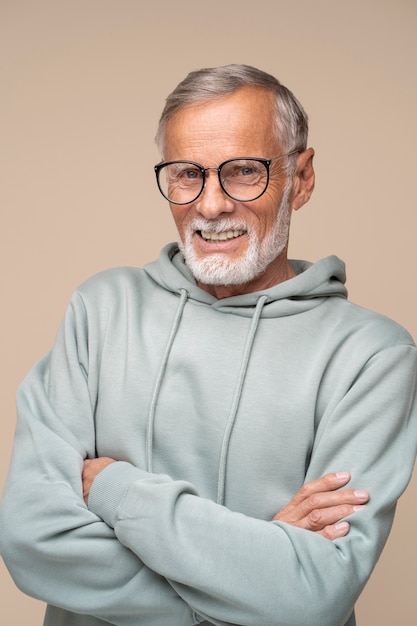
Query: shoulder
(368, 327)
(111, 290)
(111, 281)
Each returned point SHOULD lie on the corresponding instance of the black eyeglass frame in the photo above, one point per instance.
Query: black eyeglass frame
(203, 170)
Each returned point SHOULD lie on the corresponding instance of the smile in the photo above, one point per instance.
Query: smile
(223, 236)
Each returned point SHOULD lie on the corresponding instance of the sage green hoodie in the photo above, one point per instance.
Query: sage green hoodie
(217, 411)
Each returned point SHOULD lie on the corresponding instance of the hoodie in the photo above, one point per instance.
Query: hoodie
(217, 412)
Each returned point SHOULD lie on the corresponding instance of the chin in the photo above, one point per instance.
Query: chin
(221, 269)
(218, 269)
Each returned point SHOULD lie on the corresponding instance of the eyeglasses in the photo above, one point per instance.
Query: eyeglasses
(182, 182)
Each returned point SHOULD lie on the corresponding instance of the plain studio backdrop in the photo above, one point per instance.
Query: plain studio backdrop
(82, 85)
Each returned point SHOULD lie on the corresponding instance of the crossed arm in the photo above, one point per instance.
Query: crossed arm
(318, 506)
(71, 548)
(70, 545)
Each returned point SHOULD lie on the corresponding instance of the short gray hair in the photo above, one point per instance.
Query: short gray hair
(291, 121)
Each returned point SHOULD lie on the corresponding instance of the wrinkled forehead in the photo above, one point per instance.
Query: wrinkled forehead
(243, 121)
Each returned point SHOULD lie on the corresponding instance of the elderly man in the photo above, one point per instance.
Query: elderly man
(183, 454)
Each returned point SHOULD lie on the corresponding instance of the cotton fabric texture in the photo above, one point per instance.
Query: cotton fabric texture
(217, 411)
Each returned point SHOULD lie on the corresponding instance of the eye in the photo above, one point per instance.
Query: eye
(191, 174)
(246, 171)
(240, 171)
(185, 174)
(243, 171)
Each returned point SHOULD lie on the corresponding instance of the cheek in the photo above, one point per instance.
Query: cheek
(265, 212)
(181, 218)
(178, 214)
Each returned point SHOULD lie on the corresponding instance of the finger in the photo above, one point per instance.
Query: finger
(328, 482)
(325, 500)
(318, 519)
(335, 531)
(320, 502)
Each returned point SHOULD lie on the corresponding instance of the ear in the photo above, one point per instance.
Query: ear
(304, 179)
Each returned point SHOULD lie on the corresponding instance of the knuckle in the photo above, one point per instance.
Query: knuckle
(314, 501)
(304, 491)
(327, 533)
(345, 494)
(314, 518)
(328, 480)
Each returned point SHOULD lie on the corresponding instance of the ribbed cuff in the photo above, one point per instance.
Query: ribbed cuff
(109, 489)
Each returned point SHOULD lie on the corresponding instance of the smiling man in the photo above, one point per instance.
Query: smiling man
(233, 218)
(220, 437)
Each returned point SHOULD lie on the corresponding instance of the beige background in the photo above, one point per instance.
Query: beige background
(82, 86)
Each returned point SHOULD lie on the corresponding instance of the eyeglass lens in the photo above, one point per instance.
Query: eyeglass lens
(242, 179)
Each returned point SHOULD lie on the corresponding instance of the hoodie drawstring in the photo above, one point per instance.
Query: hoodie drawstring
(151, 417)
(236, 399)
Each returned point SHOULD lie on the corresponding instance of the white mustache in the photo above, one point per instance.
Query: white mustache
(217, 226)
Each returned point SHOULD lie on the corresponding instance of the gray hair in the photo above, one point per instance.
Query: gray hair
(291, 121)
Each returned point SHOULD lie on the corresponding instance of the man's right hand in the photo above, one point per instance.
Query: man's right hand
(320, 505)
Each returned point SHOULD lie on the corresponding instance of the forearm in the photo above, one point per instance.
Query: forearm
(233, 568)
(55, 548)
(230, 568)
(63, 554)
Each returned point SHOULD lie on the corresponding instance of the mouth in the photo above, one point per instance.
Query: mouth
(224, 235)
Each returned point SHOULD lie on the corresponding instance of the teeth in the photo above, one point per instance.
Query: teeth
(223, 236)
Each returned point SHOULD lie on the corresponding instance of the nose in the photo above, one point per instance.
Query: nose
(213, 201)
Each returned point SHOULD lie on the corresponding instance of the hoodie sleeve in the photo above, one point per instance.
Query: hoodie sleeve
(55, 548)
(231, 568)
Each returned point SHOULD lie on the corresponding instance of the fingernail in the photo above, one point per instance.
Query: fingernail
(342, 526)
(359, 507)
(361, 495)
(343, 475)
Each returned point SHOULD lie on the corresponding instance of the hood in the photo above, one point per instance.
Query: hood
(313, 283)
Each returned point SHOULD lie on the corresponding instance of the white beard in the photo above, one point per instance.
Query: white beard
(218, 268)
